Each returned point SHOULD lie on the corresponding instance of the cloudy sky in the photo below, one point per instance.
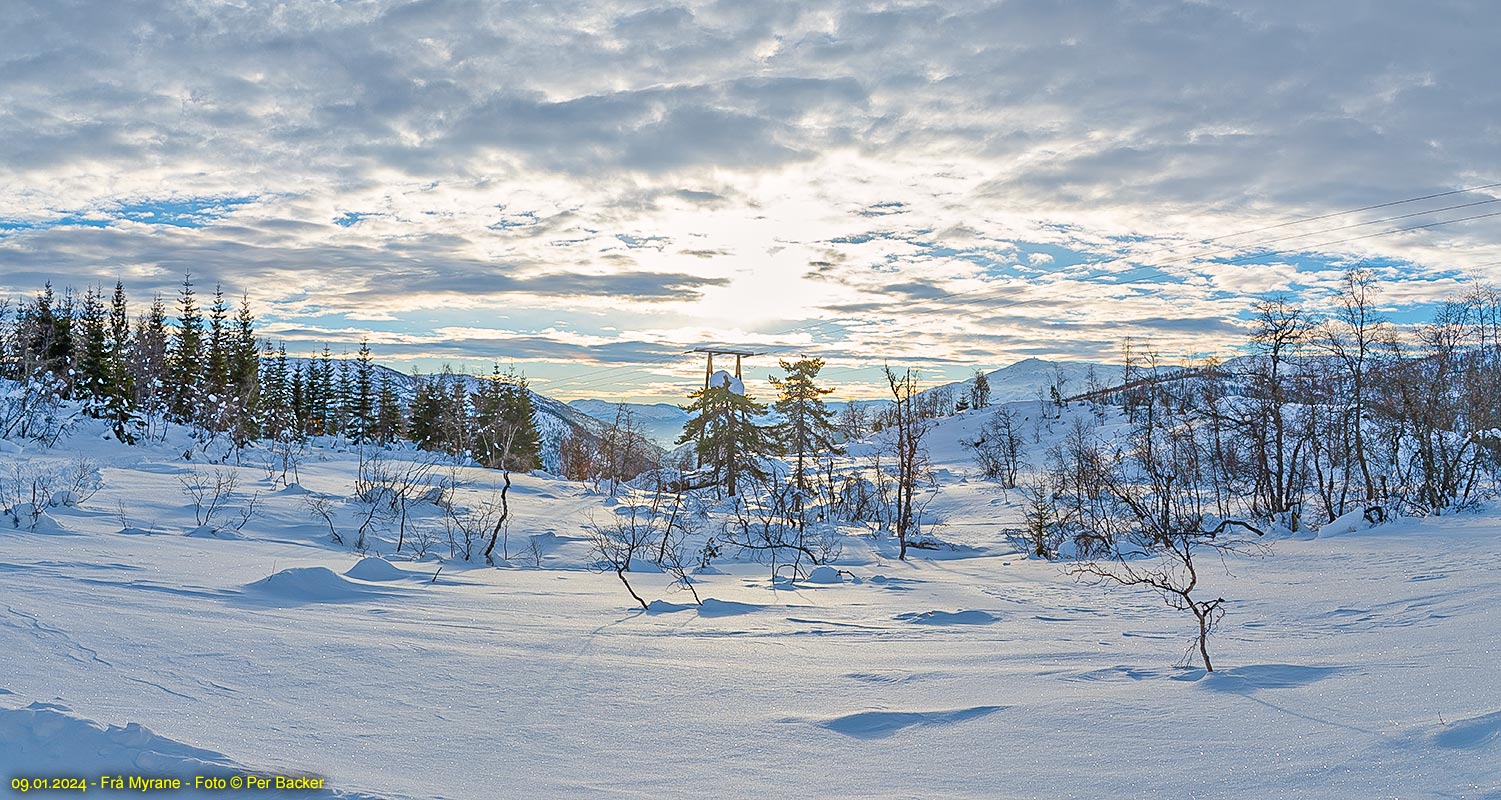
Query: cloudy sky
(588, 189)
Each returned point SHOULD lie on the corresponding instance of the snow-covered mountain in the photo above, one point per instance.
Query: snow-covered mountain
(662, 423)
(1021, 381)
(128, 622)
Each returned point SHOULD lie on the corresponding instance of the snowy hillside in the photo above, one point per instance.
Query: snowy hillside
(1024, 379)
(555, 419)
(1356, 663)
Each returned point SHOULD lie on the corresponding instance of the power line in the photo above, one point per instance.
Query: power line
(1358, 210)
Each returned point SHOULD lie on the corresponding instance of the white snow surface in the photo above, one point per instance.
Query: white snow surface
(1362, 664)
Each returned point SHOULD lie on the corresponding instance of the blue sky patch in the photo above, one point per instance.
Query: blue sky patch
(191, 212)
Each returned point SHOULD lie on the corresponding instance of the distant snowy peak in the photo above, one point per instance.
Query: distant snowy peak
(1026, 378)
(605, 410)
(660, 422)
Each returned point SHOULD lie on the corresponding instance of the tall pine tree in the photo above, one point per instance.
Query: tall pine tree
(151, 359)
(216, 368)
(94, 379)
(505, 433)
(361, 400)
(807, 424)
(724, 430)
(185, 364)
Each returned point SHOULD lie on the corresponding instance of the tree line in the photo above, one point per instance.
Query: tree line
(206, 368)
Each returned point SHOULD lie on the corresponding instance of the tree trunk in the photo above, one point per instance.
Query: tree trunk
(620, 573)
(505, 513)
(1204, 641)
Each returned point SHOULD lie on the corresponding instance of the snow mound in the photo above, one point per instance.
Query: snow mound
(1471, 734)
(722, 378)
(26, 517)
(210, 532)
(372, 568)
(48, 737)
(313, 585)
(664, 607)
(824, 576)
(971, 617)
(1348, 522)
(725, 608)
(880, 724)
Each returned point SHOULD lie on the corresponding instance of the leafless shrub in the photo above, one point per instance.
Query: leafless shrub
(770, 523)
(465, 528)
(81, 477)
(209, 493)
(245, 514)
(323, 507)
(534, 552)
(25, 493)
(391, 489)
(629, 536)
(34, 409)
(284, 458)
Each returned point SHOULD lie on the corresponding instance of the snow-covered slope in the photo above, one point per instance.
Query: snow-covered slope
(1022, 380)
(1356, 664)
(555, 419)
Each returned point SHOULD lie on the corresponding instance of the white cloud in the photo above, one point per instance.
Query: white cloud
(740, 169)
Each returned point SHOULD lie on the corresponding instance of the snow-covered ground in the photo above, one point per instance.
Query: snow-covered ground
(1355, 664)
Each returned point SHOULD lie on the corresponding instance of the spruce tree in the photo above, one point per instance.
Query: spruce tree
(726, 435)
(122, 378)
(322, 395)
(216, 370)
(361, 399)
(807, 424)
(455, 413)
(150, 359)
(244, 358)
(35, 331)
(185, 365)
(426, 404)
(242, 362)
(343, 397)
(440, 413)
(94, 379)
(274, 401)
(63, 351)
(390, 423)
(43, 331)
(297, 398)
(505, 433)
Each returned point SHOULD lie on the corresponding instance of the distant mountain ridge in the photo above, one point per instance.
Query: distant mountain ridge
(660, 422)
(1018, 382)
(1023, 380)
